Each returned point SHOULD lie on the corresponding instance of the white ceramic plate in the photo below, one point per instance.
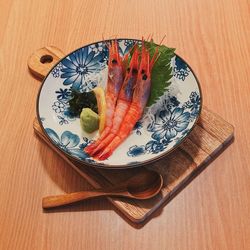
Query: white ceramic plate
(162, 128)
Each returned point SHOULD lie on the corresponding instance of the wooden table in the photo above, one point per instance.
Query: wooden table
(213, 212)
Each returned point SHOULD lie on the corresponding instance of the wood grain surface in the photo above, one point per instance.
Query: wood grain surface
(211, 213)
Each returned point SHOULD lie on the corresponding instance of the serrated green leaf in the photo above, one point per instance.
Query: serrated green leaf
(161, 72)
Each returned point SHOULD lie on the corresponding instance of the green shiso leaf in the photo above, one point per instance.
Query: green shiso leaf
(162, 71)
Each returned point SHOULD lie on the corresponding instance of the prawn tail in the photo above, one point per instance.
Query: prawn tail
(106, 152)
(102, 145)
(91, 147)
(127, 126)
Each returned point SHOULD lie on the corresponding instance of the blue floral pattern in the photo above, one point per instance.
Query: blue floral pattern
(58, 106)
(102, 49)
(63, 94)
(62, 120)
(78, 65)
(136, 151)
(56, 72)
(128, 44)
(88, 85)
(168, 124)
(181, 70)
(70, 143)
(61, 106)
(137, 127)
(193, 104)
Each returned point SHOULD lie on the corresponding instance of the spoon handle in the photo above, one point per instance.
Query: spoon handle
(64, 199)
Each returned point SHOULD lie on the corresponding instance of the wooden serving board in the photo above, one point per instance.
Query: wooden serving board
(209, 137)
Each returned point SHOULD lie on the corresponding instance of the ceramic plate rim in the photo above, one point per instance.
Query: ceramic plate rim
(108, 166)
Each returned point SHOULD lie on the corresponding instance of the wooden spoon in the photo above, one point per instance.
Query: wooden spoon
(144, 185)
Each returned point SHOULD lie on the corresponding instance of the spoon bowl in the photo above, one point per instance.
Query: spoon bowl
(144, 185)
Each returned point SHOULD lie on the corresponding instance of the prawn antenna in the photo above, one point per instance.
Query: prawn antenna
(162, 40)
(105, 42)
(148, 38)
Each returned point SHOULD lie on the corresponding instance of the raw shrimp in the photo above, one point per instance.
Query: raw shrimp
(139, 101)
(114, 83)
(115, 80)
(123, 104)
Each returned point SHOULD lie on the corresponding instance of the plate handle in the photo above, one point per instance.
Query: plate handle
(43, 60)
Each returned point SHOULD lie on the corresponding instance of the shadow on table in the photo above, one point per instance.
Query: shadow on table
(87, 205)
(68, 180)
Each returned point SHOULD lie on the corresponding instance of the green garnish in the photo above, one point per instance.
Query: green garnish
(89, 120)
(161, 72)
(82, 100)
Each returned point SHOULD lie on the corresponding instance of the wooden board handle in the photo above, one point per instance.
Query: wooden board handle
(43, 60)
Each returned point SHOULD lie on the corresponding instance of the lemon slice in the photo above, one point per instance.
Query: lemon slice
(101, 104)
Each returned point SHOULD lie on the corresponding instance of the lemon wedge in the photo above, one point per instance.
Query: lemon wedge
(101, 104)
